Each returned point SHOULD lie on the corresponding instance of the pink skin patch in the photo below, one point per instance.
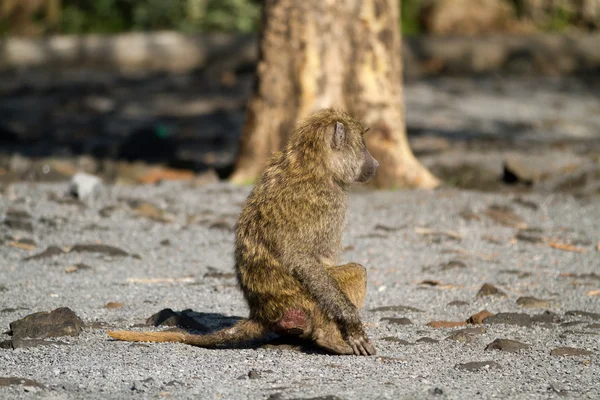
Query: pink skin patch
(292, 323)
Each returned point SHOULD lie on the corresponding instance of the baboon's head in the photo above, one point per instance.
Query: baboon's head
(351, 161)
(330, 143)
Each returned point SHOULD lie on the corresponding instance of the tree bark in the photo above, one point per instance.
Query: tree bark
(328, 53)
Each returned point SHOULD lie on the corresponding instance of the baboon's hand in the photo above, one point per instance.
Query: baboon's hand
(361, 345)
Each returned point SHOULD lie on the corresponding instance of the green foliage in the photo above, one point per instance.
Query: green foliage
(409, 13)
(109, 16)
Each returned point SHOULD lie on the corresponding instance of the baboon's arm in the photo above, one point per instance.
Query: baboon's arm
(327, 293)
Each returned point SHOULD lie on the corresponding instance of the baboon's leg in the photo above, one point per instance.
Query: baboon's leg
(352, 279)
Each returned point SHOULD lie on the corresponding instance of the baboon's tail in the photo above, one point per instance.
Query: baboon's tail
(244, 330)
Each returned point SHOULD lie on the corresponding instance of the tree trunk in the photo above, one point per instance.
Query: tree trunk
(329, 53)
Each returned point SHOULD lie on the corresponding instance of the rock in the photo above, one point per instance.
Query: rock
(582, 181)
(85, 187)
(519, 274)
(532, 302)
(98, 248)
(584, 314)
(60, 322)
(10, 381)
(458, 303)
(593, 326)
(547, 317)
(254, 374)
(19, 224)
(446, 324)
(396, 340)
(490, 290)
(50, 251)
(396, 308)
(478, 365)
(509, 319)
(505, 217)
(570, 351)
(398, 321)
(452, 264)
(532, 235)
(427, 340)
(532, 169)
(478, 318)
(148, 210)
(511, 346)
(466, 335)
(519, 319)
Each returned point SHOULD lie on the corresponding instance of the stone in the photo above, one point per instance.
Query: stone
(85, 187)
(398, 321)
(59, 322)
(396, 340)
(396, 308)
(466, 335)
(112, 305)
(148, 210)
(532, 169)
(532, 302)
(478, 365)
(18, 224)
(10, 381)
(452, 264)
(478, 318)
(446, 324)
(490, 290)
(98, 248)
(506, 218)
(427, 340)
(509, 319)
(458, 303)
(511, 346)
(254, 374)
(585, 314)
(547, 317)
(570, 351)
(50, 251)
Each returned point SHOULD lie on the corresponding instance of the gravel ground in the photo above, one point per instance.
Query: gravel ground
(456, 240)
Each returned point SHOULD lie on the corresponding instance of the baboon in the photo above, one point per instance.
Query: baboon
(288, 239)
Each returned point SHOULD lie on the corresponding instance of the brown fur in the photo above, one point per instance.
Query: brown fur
(288, 240)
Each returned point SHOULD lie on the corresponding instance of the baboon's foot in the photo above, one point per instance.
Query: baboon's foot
(293, 322)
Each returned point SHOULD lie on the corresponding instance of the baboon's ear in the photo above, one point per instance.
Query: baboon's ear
(339, 136)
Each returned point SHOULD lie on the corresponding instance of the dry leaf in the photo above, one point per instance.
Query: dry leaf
(427, 231)
(593, 293)
(21, 245)
(567, 247)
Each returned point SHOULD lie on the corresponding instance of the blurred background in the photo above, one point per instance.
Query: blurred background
(500, 95)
